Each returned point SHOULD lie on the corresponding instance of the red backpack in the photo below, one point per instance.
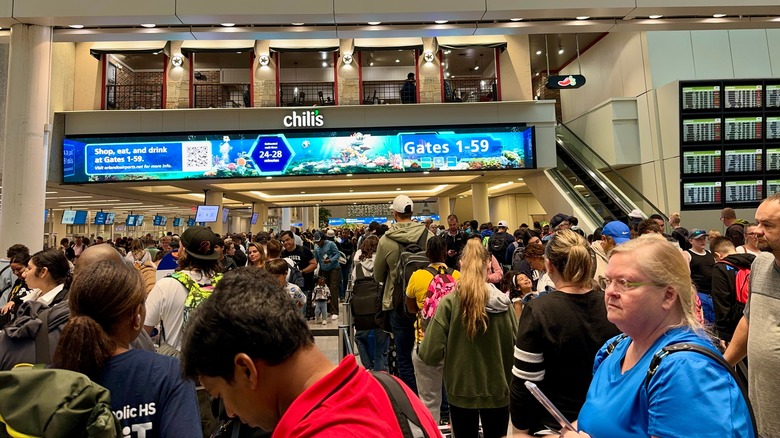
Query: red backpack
(441, 284)
(742, 282)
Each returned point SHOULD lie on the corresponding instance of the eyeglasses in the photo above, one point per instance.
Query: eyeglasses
(621, 284)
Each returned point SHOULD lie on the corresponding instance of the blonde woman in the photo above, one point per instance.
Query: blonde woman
(473, 331)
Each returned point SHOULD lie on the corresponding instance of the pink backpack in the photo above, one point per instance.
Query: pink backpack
(441, 284)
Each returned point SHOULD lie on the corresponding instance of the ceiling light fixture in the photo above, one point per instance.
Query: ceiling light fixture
(583, 17)
(149, 25)
(374, 23)
(655, 17)
(177, 61)
(264, 60)
(538, 52)
(371, 63)
(347, 58)
(560, 50)
(228, 24)
(324, 64)
(516, 19)
(297, 24)
(441, 21)
(76, 26)
(718, 15)
(428, 56)
(397, 60)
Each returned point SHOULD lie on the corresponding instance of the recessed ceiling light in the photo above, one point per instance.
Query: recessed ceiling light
(351, 190)
(398, 188)
(519, 179)
(515, 19)
(560, 51)
(538, 52)
(426, 172)
(149, 25)
(655, 17)
(718, 15)
(374, 23)
(371, 63)
(447, 52)
(303, 192)
(324, 64)
(440, 21)
(76, 26)
(476, 67)
(397, 60)
(583, 17)
(268, 177)
(228, 24)
(349, 174)
(297, 24)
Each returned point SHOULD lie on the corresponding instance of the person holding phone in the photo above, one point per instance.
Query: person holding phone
(648, 295)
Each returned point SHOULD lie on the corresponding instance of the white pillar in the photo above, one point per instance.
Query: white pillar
(480, 204)
(306, 218)
(26, 152)
(444, 209)
(284, 222)
(215, 198)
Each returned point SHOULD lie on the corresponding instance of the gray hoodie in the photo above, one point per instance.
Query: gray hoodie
(498, 302)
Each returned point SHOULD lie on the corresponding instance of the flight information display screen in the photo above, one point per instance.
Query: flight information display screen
(702, 193)
(701, 162)
(323, 152)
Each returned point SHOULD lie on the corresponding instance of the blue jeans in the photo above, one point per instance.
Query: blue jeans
(372, 346)
(707, 308)
(403, 334)
(321, 309)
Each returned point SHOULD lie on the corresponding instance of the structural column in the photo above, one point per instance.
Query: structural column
(444, 209)
(284, 222)
(25, 156)
(480, 204)
(215, 198)
(305, 219)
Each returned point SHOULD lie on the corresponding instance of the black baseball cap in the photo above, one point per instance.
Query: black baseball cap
(199, 243)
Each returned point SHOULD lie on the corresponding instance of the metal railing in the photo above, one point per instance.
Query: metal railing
(470, 90)
(221, 95)
(140, 96)
(306, 93)
(382, 92)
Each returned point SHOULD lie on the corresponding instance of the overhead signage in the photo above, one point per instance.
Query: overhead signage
(295, 153)
(563, 82)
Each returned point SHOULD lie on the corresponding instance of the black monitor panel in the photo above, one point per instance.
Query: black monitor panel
(702, 162)
(746, 191)
(744, 160)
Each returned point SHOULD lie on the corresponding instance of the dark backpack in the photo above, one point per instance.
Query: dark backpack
(742, 283)
(497, 245)
(518, 255)
(412, 258)
(366, 301)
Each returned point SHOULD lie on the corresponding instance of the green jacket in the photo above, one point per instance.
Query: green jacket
(388, 252)
(478, 372)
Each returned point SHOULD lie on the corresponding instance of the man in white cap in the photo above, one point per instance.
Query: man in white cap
(402, 233)
(499, 241)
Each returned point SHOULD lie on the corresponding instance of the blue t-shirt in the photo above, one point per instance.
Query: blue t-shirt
(690, 395)
(149, 397)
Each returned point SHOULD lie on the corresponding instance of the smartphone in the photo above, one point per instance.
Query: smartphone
(565, 424)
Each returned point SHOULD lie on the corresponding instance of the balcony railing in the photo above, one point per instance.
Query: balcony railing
(222, 96)
(382, 92)
(470, 90)
(141, 96)
(306, 93)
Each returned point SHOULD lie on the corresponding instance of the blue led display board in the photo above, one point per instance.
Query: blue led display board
(294, 153)
(100, 218)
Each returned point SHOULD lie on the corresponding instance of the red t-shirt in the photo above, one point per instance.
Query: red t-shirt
(348, 402)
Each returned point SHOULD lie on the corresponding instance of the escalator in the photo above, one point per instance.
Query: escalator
(594, 191)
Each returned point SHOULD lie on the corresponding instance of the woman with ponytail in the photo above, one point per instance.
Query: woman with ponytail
(559, 336)
(48, 277)
(147, 391)
(473, 331)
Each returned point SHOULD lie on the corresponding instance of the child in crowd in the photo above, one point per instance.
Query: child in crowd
(279, 269)
(321, 295)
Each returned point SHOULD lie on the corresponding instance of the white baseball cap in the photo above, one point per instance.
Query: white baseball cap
(502, 224)
(401, 203)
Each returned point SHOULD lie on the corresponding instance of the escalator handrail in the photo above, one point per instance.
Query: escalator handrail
(631, 186)
(575, 195)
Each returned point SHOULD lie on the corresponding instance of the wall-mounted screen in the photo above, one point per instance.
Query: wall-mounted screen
(772, 187)
(744, 191)
(190, 222)
(773, 159)
(225, 213)
(177, 221)
(703, 97)
(744, 160)
(80, 218)
(702, 193)
(139, 220)
(701, 162)
(254, 218)
(207, 213)
(773, 128)
(130, 221)
(773, 96)
(322, 152)
(699, 130)
(743, 96)
(100, 218)
(744, 128)
(68, 217)
(164, 221)
(110, 217)
(159, 220)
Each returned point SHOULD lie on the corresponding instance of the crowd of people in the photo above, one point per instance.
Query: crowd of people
(591, 319)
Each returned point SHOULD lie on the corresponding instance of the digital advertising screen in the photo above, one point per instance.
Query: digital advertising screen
(80, 218)
(207, 213)
(177, 221)
(100, 218)
(254, 218)
(225, 213)
(68, 217)
(130, 221)
(110, 217)
(295, 153)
